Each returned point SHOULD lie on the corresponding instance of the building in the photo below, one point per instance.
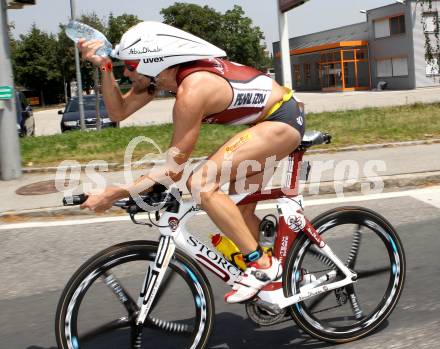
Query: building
(389, 47)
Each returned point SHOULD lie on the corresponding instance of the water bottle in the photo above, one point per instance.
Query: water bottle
(229, 250)
(76, 30)
(268, 231)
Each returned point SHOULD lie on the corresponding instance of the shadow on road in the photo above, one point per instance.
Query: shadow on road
(232, 331)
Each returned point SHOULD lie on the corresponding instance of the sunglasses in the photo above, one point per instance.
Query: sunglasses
(131, 65)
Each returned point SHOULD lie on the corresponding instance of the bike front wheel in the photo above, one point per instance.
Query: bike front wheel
(369, 245)
(97, 310)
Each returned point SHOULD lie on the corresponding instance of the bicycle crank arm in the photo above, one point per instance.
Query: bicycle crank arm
(154, 276)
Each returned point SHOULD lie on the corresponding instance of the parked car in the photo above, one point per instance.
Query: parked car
(25, 116)
(71, 118)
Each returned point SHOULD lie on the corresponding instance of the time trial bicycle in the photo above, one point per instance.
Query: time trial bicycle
(336, 294)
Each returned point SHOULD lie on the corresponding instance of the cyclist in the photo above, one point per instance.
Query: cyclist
(212, 90)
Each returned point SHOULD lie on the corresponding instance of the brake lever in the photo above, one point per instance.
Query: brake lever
(137, 222)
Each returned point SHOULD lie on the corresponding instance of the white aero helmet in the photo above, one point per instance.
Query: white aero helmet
(159, 46)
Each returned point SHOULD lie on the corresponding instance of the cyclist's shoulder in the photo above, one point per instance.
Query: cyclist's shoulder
(199, 77)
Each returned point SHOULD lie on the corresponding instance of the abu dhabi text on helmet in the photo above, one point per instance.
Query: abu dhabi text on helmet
(159, 46)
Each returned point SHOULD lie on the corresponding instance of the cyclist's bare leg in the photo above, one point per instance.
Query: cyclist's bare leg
(251, 219)
(248, 211)
(257, 143)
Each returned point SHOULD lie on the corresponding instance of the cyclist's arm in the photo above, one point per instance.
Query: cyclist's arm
(119, 106)
(188, 112)
(198, 95)
(192, 102)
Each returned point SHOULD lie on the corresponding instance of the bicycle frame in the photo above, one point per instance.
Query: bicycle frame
(291, 222)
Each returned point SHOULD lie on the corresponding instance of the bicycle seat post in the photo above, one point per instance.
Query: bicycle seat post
(294, 165)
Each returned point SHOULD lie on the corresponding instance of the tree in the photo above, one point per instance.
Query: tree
(242, 42)
(232, 31)
(203, 21)
(35, 65)
(432, 40)
(65, 56)
(119, 25)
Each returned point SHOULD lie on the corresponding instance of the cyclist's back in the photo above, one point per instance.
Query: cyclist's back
(251, 89)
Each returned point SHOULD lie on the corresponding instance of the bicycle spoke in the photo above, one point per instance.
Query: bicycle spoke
(362, 274)
(136, 337)
(354, 301)
(120, 292)
(169, 326)
(315, 252)
(122, 322)
(351, 261)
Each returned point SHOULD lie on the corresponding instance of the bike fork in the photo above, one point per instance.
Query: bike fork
(151, 284)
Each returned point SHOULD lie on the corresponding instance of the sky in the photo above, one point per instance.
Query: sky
(313, 16)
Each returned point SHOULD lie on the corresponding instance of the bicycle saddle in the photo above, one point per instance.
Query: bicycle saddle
(315, 138)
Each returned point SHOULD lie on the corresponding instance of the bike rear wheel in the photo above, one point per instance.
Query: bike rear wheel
(96, 309)
(369, 245)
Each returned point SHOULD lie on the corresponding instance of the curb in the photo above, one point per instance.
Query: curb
(364, 185)
(114, 166)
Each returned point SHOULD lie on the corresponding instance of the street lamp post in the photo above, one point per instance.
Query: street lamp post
(284, 47)
(283, 7)
(10, 159)
(78, 74)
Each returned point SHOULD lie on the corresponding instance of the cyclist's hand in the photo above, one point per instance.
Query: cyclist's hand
(88, 51)
(97, 203)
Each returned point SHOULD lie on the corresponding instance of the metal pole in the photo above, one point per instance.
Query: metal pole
(285, 49)
(98, 113)
(78, 74)
(10, 157)
(65, 89)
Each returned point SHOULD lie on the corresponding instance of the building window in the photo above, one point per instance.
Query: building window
(307, 72)
(392, 67)
(382, 28)
(384, 68)
(431, 22)
(348, 55)
(432, 68)
(297, 74)
(400, 66)
(397, 25)
(386, 27)
(361, 54)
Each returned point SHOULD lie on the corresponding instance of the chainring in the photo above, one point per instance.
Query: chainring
(261, 316)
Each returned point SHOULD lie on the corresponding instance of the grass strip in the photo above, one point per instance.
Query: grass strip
(353, 127)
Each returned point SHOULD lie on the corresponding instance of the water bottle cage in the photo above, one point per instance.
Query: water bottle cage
(233, 256)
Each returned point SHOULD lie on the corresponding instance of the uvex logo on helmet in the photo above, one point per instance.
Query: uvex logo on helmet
(153, 60)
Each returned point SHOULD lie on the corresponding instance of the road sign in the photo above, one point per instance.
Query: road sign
(286, 5)
(6, 92)
(18, 4)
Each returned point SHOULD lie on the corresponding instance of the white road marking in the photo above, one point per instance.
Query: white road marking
(432, 198)
(428, 195)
